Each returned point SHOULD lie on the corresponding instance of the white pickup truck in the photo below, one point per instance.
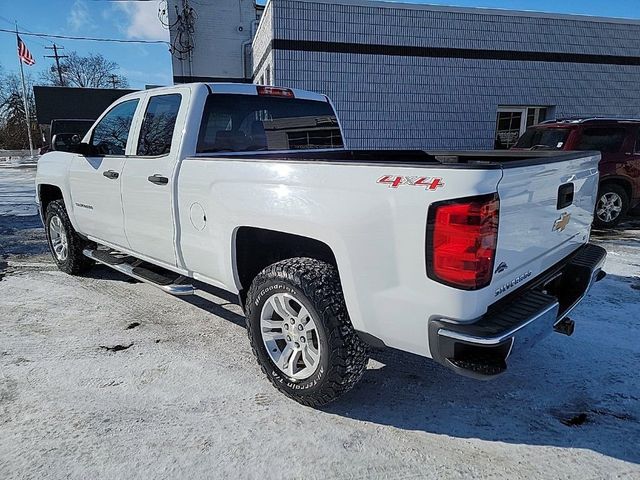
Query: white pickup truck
(456, 256)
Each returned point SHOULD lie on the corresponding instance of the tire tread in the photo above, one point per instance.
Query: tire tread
(348, 354)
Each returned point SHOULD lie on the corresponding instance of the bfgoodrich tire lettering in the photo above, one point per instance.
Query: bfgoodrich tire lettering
(316, 287)
(59, 230)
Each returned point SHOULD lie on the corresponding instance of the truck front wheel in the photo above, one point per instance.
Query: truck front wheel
(300, 331)
(65, 244)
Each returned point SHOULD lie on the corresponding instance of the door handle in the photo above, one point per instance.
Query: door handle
(111, 174)
(158, 179)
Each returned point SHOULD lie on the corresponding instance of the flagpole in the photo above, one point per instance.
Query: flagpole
(24, 99)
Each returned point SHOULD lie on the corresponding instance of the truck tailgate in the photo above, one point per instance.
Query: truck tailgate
(546, 211)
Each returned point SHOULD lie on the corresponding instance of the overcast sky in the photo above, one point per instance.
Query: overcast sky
(151, 64)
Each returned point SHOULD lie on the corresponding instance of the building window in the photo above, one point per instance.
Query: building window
(511, 122)
(268, 76)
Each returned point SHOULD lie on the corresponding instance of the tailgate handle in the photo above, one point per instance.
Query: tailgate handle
(565, 195)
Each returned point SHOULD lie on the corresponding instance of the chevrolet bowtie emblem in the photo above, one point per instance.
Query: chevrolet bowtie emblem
(561, 223)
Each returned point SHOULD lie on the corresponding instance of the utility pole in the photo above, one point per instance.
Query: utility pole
(57, 57)
(113, 78)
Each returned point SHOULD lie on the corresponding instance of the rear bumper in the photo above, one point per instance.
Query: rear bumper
(480, 349)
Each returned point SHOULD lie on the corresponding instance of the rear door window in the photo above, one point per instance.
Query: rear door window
(602, 139)
(156, 132)
(245, 123)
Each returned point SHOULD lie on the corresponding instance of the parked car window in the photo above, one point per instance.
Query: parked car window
(157, 127)
(543, 138)
(607, 140)
(111, 133)
(243, 123)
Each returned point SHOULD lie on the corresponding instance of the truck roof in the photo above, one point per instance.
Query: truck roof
(238, 89)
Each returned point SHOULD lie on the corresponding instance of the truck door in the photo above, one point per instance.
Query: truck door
(147, 181)
(95, 179)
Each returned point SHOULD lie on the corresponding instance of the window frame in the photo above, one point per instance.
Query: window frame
(138, 130)
(132, 126)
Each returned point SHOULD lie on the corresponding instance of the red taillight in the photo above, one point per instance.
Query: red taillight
(275, 91)
(461, 241)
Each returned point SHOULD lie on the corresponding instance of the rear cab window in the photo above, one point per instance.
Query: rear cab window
(156, 131)
(247, 123)
(602, 139)
(544, 138)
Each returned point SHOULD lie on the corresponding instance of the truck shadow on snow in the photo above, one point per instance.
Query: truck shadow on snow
(574, 392)
(216, 306)
(579, 392)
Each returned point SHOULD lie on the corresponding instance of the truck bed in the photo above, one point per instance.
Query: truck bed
(442, 159)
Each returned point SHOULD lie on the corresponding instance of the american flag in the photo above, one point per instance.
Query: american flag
(23, 52)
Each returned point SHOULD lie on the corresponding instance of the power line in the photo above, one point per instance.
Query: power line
(90, 39)
(9, 22)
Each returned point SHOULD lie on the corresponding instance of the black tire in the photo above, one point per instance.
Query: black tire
(343, 355)
(610, 189)
(74, 262)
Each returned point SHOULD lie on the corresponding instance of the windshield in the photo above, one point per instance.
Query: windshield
(543, 138)
(248, 123)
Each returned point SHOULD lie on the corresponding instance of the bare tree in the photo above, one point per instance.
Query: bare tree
(92, 71)
(13, 131)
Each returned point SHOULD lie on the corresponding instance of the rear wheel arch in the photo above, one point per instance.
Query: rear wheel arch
(257, 248)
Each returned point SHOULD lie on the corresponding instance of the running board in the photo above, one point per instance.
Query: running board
(139, 272)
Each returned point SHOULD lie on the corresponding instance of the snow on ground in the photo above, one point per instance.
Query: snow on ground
(187, 399)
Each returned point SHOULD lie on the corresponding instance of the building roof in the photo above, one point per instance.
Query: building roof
(476, 10)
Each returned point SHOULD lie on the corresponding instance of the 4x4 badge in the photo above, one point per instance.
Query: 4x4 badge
(561, 223)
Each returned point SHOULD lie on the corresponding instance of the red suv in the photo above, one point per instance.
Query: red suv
(617, 140)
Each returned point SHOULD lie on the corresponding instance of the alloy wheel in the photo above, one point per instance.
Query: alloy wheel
(59, 240)
(290, 336)
(609, 207)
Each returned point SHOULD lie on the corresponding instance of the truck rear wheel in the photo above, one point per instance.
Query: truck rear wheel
(65, 244)
(300, 331)
(611, 206)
